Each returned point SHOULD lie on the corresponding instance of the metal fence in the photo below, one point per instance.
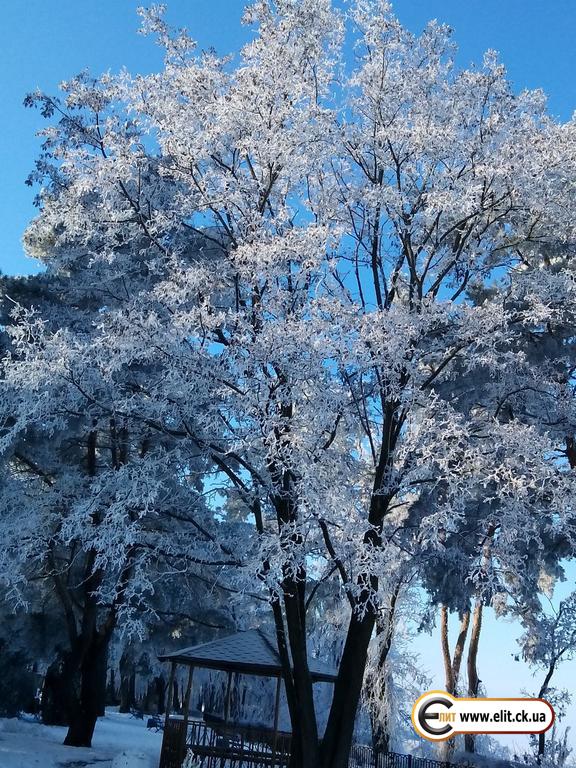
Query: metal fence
(364, 757)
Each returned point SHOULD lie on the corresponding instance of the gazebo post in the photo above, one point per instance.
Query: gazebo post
(169, 738)
(276, 713)
(227, 701)
(187, 707)
(170, 693)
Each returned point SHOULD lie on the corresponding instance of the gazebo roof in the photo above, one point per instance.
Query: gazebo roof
(252, 652)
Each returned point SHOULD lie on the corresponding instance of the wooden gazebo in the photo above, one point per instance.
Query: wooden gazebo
(221, 741)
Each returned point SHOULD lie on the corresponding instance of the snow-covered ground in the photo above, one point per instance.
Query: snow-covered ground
(120, 741)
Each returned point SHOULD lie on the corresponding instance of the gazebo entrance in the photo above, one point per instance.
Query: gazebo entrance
(221, 741)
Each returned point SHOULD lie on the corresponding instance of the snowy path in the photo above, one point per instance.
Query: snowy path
(120, 741)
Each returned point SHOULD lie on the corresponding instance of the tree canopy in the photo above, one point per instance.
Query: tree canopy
(318, 310)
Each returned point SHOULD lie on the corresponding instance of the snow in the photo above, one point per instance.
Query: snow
(120, 741)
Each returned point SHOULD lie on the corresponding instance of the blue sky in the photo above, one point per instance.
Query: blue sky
(500, 674)
(45, 41)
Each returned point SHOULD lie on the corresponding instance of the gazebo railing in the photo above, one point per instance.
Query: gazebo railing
(238, 746)
(224, 745)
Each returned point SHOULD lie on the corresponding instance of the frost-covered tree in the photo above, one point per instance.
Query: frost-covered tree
(109, 508)
(549, 640)
(369, 233)
(394, 678)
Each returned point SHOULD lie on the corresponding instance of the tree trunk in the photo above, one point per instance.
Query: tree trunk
(380, 738)
(347, 689)
(473, 680)
(339, 733)
(88, 657)
(127, 681)
(541, 746)
(385, 631)
(57, 691)
(111, 697)
(89, 689)
(144, 702)
(303, 689)
(297, 680)
(452, 666)
(541, 694)
(336, 744)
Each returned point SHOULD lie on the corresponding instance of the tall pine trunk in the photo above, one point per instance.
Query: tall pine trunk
(473, 680)
(452, 666)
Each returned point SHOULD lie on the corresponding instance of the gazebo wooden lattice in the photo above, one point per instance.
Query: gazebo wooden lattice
(217, 742)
